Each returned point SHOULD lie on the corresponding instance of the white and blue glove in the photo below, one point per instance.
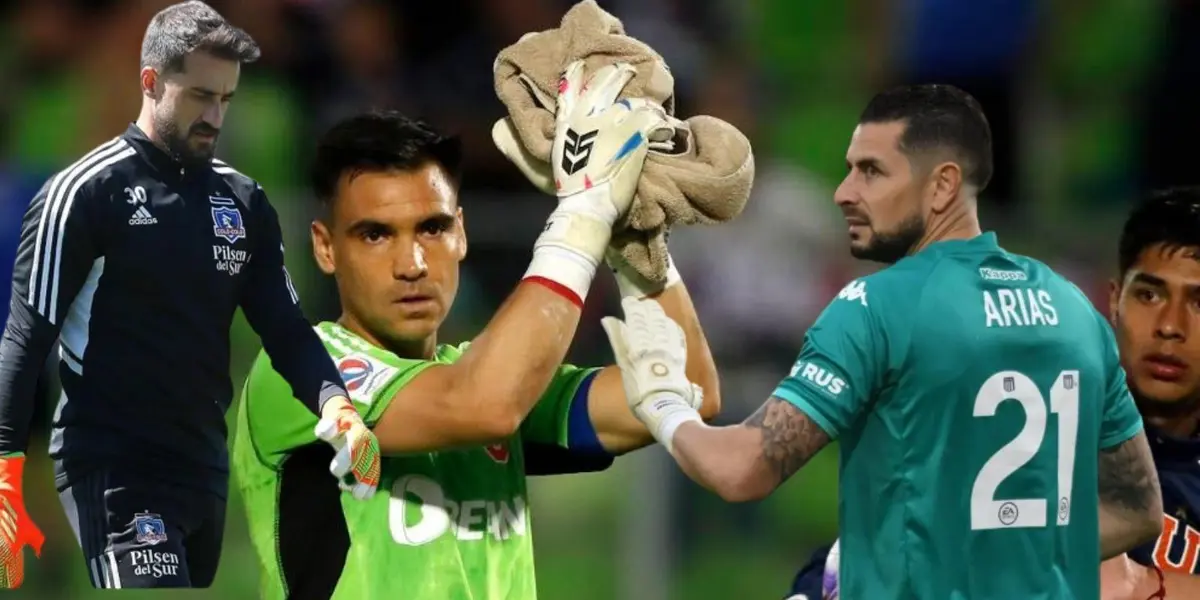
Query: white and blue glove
(651, 351)
(599, 148)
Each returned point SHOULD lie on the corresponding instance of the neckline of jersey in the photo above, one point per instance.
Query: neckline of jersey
(985, 242)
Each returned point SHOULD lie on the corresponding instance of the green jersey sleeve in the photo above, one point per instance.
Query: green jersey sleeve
(278, 423)
(840, 364)
(1121, 420)
(548, 422)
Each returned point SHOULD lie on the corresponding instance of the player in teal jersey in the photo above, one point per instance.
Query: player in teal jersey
(460, 426)
(990, 448)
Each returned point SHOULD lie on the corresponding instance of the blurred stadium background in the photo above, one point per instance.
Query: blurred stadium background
(1092, 102)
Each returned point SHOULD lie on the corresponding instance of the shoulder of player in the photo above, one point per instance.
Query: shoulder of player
(101, 173)
(242, 185)
(1062, 289)
(895, 286)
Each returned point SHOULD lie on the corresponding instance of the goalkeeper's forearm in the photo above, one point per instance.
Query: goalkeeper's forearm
(485, 395)
(508, 366)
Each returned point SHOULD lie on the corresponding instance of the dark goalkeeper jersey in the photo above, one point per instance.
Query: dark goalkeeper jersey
(136, 265)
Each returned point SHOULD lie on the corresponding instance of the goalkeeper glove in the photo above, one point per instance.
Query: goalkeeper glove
(356, 464)
(16, 528)
(599, 148)
(651, 352)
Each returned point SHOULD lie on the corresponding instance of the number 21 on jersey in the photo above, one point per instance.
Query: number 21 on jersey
(986, 511)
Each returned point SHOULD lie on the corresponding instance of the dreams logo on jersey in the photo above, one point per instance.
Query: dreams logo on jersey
(419, 513)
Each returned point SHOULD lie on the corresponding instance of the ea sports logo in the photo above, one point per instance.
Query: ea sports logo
(355, 372)
(498, 452)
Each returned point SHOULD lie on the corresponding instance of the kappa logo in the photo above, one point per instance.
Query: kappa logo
(577, 148)
(855, 291)
(498, 452)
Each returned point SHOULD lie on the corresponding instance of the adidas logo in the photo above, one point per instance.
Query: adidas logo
(142, 217)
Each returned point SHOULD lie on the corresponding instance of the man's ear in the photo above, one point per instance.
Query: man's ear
(461, 232)
(149, 83)
(947, 183)
(322, 243)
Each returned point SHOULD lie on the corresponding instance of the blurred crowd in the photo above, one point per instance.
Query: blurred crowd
(1092, 103)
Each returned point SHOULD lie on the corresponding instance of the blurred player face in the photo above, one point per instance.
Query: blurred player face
(393, 241)
(191, 105)
(880, 196)
(1156, 314)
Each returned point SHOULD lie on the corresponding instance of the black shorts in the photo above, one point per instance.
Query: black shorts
(138, 532)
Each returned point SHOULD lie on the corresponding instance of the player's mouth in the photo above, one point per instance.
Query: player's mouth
(416, 301)
(1165, 367)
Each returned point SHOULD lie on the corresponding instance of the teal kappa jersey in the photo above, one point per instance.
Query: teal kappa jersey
(972, 390)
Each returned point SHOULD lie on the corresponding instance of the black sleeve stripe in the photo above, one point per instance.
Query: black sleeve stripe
(46, 270)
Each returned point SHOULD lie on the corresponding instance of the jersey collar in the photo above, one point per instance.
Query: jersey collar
(158, 158)
(984, 242)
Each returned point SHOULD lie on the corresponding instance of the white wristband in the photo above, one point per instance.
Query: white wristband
(631, 283)
(675, 412)
(573, 242)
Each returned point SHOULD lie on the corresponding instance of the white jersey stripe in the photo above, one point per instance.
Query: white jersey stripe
(52, 210)
(55, 185)
(66, 213)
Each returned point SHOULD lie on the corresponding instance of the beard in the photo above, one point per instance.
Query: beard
(890, 246)
(177, 141)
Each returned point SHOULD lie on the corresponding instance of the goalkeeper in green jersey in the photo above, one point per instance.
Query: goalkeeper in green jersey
(460, 426)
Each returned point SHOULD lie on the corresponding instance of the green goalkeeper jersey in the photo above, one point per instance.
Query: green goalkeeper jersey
(446, 525)
(971, 390)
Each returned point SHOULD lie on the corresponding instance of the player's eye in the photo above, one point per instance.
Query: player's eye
(373, 235)
(1145, 295)
(434, 227)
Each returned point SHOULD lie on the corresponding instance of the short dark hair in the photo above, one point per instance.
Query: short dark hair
(938, 116)
(1170, 218)
(380, 141)
(180, 29)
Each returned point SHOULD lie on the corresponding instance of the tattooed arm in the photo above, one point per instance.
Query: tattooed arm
(747, 462)
(1130, 497)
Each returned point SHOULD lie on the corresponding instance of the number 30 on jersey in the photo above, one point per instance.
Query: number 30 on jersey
(986, 511)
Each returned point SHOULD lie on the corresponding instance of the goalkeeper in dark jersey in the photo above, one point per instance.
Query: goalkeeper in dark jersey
(460, 426)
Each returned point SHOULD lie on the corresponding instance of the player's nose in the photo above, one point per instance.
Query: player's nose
(1174, 321)
(844, 195)
(410, 261)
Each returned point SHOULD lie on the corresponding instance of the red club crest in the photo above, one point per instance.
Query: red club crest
(498, 452)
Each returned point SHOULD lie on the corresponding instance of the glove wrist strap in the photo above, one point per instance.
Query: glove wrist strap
(572, 244)
(674, 411)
